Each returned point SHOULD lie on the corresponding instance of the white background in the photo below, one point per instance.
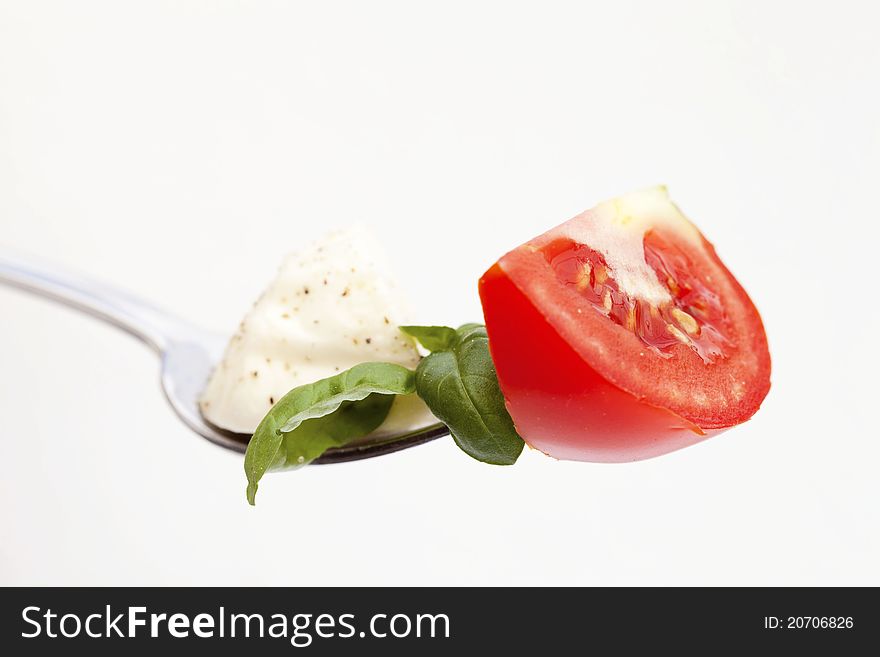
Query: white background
(180, 149)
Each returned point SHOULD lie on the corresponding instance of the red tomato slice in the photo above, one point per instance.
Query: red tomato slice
(620, 335)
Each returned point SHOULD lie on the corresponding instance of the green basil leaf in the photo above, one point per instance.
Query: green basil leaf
(331, 412)
(432, 338)
(325, 396)
(353, 419)
(460, 386)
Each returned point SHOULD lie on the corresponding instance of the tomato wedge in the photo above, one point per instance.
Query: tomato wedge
(620, 335)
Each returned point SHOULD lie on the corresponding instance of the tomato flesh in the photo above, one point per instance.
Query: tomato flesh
(691, 317)
(607, 355)
(560, 404)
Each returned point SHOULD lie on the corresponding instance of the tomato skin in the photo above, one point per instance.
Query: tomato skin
(560, 404)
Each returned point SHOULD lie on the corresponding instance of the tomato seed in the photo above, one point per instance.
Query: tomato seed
(685, 321)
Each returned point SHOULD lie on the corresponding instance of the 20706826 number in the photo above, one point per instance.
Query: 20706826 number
(819, 622)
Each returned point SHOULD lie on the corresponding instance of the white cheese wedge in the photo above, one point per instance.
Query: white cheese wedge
(333, 305)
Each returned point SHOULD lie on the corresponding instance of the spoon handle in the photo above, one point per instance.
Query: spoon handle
(137, 317)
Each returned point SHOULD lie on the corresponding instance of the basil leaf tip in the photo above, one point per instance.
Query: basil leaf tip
(332, 412)
(432, 338)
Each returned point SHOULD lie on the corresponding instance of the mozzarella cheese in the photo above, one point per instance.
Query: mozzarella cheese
(331, 306)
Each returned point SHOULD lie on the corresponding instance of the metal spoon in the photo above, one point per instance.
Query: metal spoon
(188, 353)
